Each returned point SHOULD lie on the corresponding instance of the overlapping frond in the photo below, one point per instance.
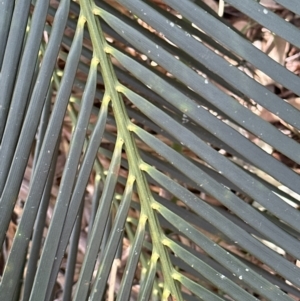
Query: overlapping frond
(162, 98)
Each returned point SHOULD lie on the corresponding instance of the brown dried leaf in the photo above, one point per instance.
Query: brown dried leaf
(276, 48)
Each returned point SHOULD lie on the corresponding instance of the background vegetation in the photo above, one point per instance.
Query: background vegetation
(149, 150)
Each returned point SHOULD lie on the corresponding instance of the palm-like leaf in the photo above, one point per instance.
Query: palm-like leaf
(167, 129)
